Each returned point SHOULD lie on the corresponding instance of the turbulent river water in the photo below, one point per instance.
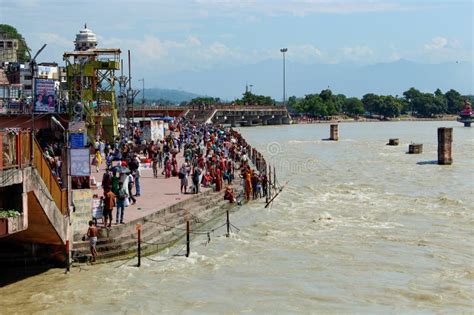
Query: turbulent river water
(361, 227)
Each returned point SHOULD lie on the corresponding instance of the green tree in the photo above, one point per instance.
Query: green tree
(353, 106)
(204, 100)
(339, 101)
(389, 106)
(454, 101)
(427, 105)
(251, 99)
(409, 95)
(291, 104)
(313, 104)
(371, 102)
(11, 32)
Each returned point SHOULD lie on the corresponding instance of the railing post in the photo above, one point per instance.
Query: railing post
(228, 224)
(18, 149)
(187, 239)
(68, 263)
(139, 244)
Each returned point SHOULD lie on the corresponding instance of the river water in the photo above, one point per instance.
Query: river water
(360, 227)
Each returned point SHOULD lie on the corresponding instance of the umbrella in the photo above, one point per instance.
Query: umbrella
(120, 169)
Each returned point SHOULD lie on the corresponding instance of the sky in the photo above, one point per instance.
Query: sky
(169, 37)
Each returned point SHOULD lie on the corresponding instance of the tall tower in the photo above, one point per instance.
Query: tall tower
(85, 40)
(91, 83)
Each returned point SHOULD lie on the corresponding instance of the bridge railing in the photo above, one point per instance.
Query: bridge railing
(58, 193)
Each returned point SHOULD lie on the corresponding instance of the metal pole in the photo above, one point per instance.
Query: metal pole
(33, 103)
(283, 51)
(68, 263)
(139, 229)
(187, 239)
(284, 80)
(270, 181)
(32, 65)
(274, 178)
(228, 224)
(130, 87)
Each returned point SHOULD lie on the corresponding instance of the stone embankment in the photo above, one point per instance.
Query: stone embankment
(166, 227)
(159, 230)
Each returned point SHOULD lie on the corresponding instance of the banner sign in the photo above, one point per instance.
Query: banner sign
(82, 202)
(77, 140)
(80, 162)
(45, 95)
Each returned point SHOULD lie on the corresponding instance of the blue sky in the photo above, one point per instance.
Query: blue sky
(173, 36)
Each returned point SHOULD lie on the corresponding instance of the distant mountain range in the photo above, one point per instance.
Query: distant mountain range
(171, 95)
(350, 79)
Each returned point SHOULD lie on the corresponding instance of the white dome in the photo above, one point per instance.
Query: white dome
(85, 39)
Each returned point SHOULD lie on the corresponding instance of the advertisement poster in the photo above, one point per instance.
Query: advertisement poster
(45, 95)
(80, 162)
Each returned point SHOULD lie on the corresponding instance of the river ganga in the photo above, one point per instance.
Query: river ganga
(361, 227)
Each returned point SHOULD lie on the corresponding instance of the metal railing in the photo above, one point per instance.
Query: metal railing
(15, 150)
(58, 193)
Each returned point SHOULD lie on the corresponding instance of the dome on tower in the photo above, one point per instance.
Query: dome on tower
(85, 39)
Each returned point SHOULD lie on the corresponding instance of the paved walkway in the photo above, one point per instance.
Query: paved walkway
(156, 193)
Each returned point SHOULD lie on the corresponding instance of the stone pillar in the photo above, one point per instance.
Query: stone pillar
(415, 148)
(394, 141)
(445, 141)
(334, 135)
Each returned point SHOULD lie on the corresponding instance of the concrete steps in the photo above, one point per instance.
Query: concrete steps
(155, 237)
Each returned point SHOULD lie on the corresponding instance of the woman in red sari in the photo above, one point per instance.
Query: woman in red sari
(174, 166)
(167, 168)
(218, 179)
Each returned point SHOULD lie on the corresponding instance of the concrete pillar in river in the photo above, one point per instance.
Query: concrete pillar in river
(445, 141)
(394, 141)
(334, 134)
(415, 148)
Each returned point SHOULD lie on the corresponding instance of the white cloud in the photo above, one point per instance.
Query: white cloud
(55, 39)
(444, 49)
(357, 53)
(437, 43)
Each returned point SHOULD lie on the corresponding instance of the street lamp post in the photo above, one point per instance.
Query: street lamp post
(283, 51)
(32, 68)
(143, 96)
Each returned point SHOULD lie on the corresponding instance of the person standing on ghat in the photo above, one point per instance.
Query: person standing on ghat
(212, 154)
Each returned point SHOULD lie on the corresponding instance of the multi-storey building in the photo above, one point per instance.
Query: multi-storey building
(8, 48)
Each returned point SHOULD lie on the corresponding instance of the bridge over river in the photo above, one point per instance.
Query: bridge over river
(233, 115)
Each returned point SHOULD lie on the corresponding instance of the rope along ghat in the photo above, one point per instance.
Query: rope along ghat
(230, 229)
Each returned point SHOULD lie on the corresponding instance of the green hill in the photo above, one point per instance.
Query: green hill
(166, 95)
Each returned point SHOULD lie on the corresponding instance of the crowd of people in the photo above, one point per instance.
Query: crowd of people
(212, 158)
(52, 153)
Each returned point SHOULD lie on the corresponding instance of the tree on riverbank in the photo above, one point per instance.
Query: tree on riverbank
(204, 100)
(413, 102)
(248, 98)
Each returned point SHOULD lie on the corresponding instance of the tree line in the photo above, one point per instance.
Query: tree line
(412, 102)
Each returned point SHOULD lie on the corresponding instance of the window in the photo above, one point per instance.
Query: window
(28, 87)
(9, 44)
(2, 44)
